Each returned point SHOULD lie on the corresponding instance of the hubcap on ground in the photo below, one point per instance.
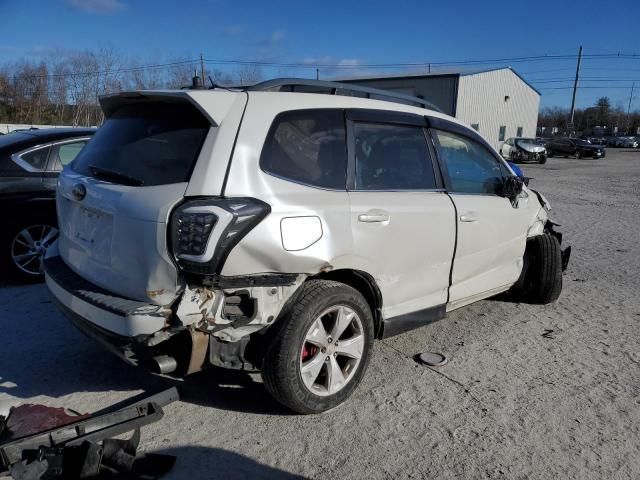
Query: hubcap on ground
(332, 350)
(29, 246)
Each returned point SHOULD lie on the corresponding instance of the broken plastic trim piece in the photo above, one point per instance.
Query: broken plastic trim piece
(97, 427)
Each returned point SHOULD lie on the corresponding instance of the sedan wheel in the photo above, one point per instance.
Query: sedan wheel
(29, 246)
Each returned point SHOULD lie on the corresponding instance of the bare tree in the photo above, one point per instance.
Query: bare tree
(249, 74)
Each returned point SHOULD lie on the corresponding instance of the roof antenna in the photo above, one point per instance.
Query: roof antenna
(196, 81)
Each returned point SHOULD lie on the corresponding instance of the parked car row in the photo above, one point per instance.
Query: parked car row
(623, 142)
(30, 162)
(574, 147)
(537, 150)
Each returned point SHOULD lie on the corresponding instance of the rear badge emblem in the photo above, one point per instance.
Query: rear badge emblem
(78, 191)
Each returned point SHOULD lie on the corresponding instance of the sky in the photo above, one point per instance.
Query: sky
(349, 38)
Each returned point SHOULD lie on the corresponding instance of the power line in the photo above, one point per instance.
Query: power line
(587, 87)
(314, 65)
(112, 71)
(585, 79)
(337, 66)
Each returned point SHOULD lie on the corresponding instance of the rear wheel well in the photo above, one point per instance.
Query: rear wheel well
(365, 284)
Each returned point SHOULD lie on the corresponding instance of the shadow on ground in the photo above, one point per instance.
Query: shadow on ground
(38, 343)
(216, 463)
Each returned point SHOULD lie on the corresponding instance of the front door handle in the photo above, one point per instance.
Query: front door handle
(373, 217)
(469, 217)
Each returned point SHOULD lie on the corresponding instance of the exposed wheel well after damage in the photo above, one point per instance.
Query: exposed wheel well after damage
(365, 284)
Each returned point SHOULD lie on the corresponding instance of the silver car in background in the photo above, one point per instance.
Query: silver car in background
(519, 149)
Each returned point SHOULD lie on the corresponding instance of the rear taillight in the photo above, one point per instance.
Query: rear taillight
(205, 230)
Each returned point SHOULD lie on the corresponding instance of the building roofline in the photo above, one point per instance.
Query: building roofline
(452, 73)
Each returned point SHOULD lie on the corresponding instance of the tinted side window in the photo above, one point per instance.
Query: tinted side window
(63, 154)
(308, 146)
(36, 158)
(470, 167)
(392, 157)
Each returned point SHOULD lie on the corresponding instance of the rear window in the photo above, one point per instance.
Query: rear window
(309, 147)
(153, 143)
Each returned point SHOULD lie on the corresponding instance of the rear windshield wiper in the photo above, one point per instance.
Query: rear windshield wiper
(115, 177)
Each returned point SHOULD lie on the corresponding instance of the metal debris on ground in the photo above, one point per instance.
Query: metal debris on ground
(548, 333)
(43, 443)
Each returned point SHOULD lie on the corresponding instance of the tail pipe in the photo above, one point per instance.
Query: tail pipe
(165, 364)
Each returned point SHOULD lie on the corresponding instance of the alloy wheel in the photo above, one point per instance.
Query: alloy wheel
(332, 350)
(29, 246)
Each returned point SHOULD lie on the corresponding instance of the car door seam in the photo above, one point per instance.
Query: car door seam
(455, 246)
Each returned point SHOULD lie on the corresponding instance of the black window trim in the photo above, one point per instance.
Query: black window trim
(457, 129)
(388, 117)
(271, 130)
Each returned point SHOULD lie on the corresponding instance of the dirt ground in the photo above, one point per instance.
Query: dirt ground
(529, 391)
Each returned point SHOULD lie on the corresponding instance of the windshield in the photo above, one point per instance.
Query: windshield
(526, 140)
(145, 144)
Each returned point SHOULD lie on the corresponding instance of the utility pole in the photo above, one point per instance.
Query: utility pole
(629, 107)
(317, 74)
(202, 68)
(575, 87)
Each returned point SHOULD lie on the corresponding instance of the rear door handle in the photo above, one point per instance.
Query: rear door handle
(373, 217)
(469, 217)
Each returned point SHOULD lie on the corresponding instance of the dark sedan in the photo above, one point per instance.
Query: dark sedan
(574, 147)
(30, 162)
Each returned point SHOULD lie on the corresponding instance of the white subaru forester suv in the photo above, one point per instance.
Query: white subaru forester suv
(284, 227)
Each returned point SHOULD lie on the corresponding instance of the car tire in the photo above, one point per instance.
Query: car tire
(542, 281)
(542, 160)
(299, 333)
(578, 155)
(549, 153)
(20, 258)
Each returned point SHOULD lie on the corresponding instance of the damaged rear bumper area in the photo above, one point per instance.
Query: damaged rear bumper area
(205, 326)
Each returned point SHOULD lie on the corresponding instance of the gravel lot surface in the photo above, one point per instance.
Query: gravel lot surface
(529, 391)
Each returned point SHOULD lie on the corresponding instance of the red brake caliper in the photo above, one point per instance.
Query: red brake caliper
(308, 351)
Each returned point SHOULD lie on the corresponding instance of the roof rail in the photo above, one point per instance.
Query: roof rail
(336, 88)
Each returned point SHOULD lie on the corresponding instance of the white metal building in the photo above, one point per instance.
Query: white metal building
(498, 103)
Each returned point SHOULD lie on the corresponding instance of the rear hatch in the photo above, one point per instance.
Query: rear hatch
(115, 199)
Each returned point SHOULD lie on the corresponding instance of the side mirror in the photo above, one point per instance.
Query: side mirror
(518, 171)
(512, 187)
